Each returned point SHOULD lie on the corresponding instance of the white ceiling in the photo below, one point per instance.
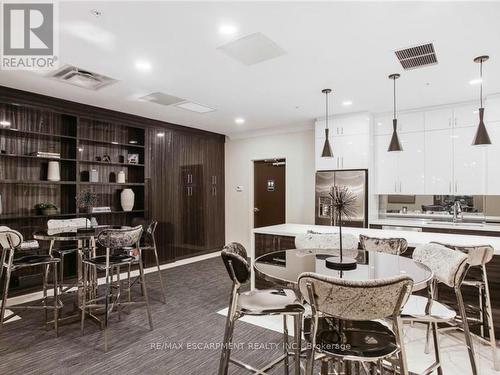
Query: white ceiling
(345, 46)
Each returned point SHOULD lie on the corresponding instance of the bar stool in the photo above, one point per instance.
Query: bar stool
(355, 305)
(257, 302)
(394, 246)
(10, 241)
(113, 239)
(477, 257)
(449, 267)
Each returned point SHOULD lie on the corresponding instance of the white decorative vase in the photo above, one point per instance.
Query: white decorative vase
(127, 199)
(53, 172)
(121, 177)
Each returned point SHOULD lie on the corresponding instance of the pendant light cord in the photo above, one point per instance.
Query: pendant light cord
(481, 77)
(326, 98)
(394, 93)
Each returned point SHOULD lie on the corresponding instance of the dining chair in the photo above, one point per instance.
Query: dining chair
(450, 268)
(394, 246)
(356, 338)
(477, 258)
(60, 225)
(313, 240)
(10, 241)
(111, 240)
(281, 302)
(148, 243)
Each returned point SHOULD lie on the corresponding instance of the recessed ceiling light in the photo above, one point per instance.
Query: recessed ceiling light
(475, 81)
(4, 123)
(143, 65)
(227, 29)
(239, 120)
(96, 12)
(160, 134)
(346, 103)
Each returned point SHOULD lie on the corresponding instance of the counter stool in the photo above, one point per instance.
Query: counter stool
(449, 267)
(478, 257)
(257, 302)
(10, 241)
(356, 337)
(394, 246)
(113, 239)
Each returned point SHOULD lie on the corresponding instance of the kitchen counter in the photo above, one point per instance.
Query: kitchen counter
(413, 238)
(426, 223)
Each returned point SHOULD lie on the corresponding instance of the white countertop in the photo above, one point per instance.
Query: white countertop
(413, 238)
(424, 223)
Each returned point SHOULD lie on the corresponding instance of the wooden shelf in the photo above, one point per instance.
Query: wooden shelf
(111, 143)
(35, 157)
(112, 183)
(24, 182)
(32, 216)
(34, 133)
(110, 213)
(109, 163)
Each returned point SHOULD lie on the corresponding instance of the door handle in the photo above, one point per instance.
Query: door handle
(255, 210)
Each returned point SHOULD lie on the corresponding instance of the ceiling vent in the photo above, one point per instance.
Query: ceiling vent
(417, 57)
(195, 107)
(81, 78)
(252, 49)
(163, 99)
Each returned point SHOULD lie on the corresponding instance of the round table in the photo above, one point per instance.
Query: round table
(284, 267)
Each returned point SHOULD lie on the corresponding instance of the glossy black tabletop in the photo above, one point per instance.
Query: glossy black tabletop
(285, 266)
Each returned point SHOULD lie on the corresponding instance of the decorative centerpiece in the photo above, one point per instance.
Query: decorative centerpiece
(46, 209)
(344, 207)
(87, 199)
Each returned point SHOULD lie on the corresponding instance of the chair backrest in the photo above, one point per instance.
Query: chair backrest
(478, 255)
(234, 256)
(9, 238)
(356, 300)
(395, 246)
(117, 238)
(79, 222)
(149, 228)
(449, 266)
(325, 241)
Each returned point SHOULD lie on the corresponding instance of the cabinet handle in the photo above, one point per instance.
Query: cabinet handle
(395, 187)
(342, 132)
(337, 162)
(456, 186)
(342, 162)
(449, 122)
(456, 122)
(450, 187)
(400, 186)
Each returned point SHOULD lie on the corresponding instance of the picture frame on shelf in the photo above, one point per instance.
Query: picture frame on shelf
(133, 158)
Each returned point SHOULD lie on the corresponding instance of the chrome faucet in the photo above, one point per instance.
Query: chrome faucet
(457, 210)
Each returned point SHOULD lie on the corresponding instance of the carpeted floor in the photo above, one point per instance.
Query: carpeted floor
(184, 331)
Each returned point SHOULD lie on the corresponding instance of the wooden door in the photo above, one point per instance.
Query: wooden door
(269, 192)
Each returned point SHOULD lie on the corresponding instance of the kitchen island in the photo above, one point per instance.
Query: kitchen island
(282, 237)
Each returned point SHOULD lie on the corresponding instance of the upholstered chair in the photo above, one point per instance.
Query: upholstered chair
(450, 268)
(313, 240)
(113, 240)
(477, 257)
(394, 246)
(355, 305)
(281, 302)
(10, 243)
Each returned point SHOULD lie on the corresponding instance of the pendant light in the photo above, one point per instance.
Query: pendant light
(482, 138)
(327, 149)
(395, 145)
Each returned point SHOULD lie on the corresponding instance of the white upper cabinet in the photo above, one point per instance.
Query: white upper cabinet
(411, 122)
(439, 162)
(466, 115)
(492, 110)
(493, 160)
(468, 163)
(411, 164)
(353, 152)
(438, 119)
(383, 125)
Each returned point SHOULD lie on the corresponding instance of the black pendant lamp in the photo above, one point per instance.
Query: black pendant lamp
(395, 145)
(482, 138)
(327, 149)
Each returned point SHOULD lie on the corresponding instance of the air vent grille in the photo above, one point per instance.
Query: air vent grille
(81, 78)
(417, 56)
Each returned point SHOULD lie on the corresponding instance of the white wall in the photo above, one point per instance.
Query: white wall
(298, 150)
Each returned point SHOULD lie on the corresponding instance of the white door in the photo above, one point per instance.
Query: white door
(466, 115)
(493, 160)
(438, 119)
(411, 164)
(385, 166)
(410, 122)
(468, 163)
(439, 162)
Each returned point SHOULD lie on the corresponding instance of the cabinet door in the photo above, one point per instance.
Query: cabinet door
(385, 166)
(469, 163)
(439, 162)
(492, 109)
(353, 151)
(319, 129)
(466, 115)
(344, 126)
(325, 164)
(383, 125)
(411, 164)
(438, 119)
(493, 156)
(410, 122)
